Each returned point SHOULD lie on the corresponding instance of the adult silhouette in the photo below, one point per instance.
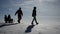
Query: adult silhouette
(20, 14)
(34, 15)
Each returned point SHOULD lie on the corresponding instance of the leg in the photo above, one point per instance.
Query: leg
(35, 20)
(5, 20)
(19, 18)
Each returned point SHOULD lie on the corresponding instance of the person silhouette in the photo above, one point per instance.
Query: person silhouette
(34, 15)
(20, 14)
(10, 20)
(5, 18)
(9, 17)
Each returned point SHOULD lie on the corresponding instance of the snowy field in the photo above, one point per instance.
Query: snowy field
(45, 26)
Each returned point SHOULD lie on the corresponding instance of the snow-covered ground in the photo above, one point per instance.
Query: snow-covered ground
(45, 26)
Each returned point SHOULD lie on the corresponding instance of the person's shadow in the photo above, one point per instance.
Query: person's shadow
(7, 24)
(29, 28)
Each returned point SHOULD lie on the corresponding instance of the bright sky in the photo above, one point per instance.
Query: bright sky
(44, 8)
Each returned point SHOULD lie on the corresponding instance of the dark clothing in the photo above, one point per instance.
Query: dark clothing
(34, 16)
(34, 13)
(8, 19)
(5, 18)
(20, 14)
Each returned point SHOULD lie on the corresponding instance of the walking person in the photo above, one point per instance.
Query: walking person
(20, 14)
(34, 15)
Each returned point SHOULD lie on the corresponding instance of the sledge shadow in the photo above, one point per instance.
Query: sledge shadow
(7, 24)
(29, 28)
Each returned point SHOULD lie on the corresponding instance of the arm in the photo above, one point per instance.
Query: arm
(16, 12)
(21, 12)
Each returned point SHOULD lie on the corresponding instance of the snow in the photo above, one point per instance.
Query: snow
(45, 26)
